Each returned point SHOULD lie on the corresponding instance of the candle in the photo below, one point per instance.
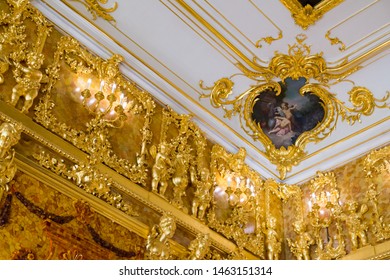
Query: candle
(229, 180)
(89, 83)
(101, 85)
(314, 197)
(113, 88)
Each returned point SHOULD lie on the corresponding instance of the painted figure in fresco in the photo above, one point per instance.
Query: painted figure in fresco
(301, 246)
(283, 119)
(199, 247)
(157, 245)
(273, 243)
(28, 84)
(160, 170)
(202, 196)
(356, 226)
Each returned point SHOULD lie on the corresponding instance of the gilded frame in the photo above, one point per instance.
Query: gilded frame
(308, 15)
(297, 63)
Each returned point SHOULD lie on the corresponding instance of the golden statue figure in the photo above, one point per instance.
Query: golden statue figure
(356, 226)
(9, 136)
(157, 245)
(301, 246)
(199, 247)
(272, 241)
(160, 170)
(180, 180)
(28, 84)
(202, 196)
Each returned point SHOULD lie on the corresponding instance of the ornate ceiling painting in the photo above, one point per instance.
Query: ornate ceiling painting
(206, 129)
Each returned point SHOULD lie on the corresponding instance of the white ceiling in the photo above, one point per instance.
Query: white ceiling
(169, 46)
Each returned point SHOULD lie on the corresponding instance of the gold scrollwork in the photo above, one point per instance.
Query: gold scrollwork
(235, 182)
(298, 63)
(97, 10)
(375, 163)
(94, 140)
(308, 15)
(269, 39)
(335, 41)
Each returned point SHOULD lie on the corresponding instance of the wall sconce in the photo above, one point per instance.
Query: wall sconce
(239, 189)
(325, 214)
(107, 103)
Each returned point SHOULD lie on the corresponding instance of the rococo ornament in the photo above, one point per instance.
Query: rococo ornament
(97, 10)
(266, 109)
(307, 15)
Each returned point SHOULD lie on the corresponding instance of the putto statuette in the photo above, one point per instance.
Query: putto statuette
(199, 247)
(272, 239)
(158, 246)
(356, 226)
(160, 169)
(202, 198)
(29, 79)
(301, 246)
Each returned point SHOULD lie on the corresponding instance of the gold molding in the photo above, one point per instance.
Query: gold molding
(308, 15)
(343, 66)
(97, 10)
(298, 63)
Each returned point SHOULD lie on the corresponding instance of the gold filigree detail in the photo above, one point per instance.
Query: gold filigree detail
(241, 186)
(97, 10)
(94, 140)
(89, 178)
(25, 59)
(308, 15)
(335, 41)
(9, 136)
(375, 163)
(269, 39)
(298, 63)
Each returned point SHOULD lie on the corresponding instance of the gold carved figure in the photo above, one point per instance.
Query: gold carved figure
(355, 225)
(272, 239)
(202, 197)
(28, 84)
(180, 180)
(9, 136)
(157, 245)
(301, 246)
(199, 247)
(160, 170)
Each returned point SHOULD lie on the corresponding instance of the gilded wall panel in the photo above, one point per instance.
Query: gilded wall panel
(346, 208)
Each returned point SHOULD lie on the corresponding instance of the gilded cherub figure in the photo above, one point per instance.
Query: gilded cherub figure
(157, 245)
(160, 170)
(199, 247)
(180, 180)
(273, 243)
(202, 196)
(356, 226)
(9, 136)
(28, 84)
(301, 246)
